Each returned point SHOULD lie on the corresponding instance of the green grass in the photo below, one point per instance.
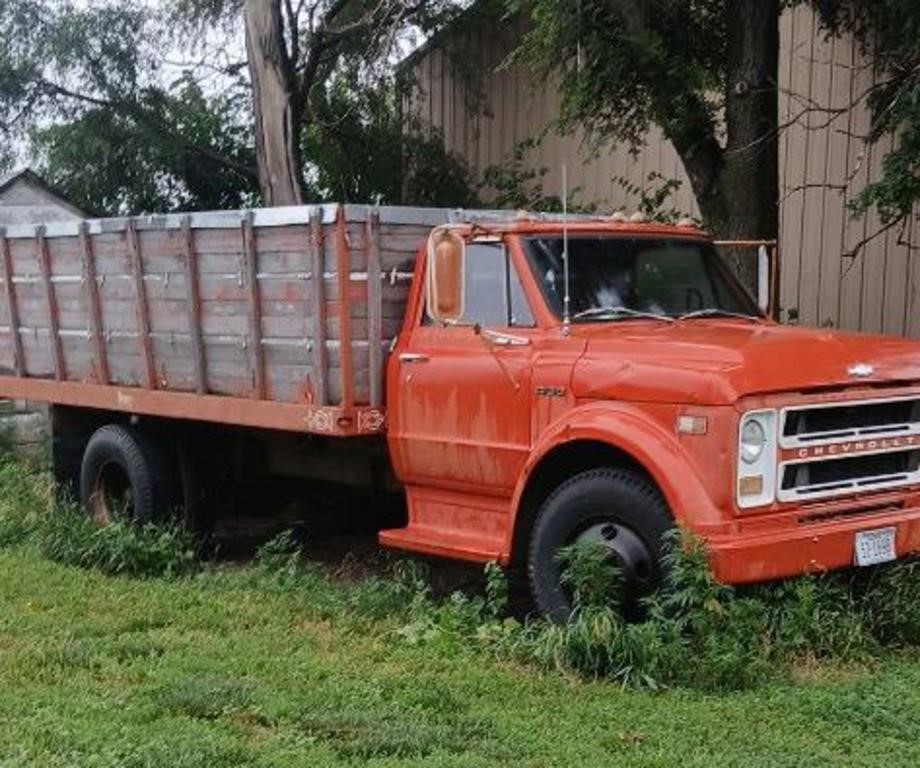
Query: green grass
(277, 665)
(222, 670)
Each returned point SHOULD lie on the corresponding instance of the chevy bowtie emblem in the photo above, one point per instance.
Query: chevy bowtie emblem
(861, 370)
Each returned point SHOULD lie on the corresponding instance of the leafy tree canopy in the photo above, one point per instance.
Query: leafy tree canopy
(112, 163)
(360, 147)
(90, 96)
(687, 67)
(295, 51)
(626, 64)
(703, 71)
(87, 90)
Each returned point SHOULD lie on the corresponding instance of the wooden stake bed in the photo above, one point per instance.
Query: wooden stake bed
(277, 318)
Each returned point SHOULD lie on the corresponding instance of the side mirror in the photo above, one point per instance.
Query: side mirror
(446, 262)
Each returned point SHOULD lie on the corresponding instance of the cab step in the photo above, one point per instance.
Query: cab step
(450, 524)
(437, 541)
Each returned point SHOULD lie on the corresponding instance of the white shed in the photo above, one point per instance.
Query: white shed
(26, 198)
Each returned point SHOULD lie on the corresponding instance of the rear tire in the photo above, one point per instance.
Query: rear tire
(126, 474)
(627, 515)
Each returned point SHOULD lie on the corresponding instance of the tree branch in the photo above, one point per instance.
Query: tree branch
(135, 111)
(841, 188)
(56, 89)
(316, 46)
(293, 28)
(832, 116)
(854, 251)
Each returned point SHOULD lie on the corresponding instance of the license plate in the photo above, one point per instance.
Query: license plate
(873, 547)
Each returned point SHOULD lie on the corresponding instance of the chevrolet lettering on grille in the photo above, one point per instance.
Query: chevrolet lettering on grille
(858, 446)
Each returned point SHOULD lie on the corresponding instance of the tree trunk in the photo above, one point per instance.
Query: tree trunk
(277, 108)
(737, 188)
(750, 172)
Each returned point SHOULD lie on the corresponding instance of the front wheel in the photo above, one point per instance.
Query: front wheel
(615, 508)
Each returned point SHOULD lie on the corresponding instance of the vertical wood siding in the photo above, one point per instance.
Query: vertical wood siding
(824, 162)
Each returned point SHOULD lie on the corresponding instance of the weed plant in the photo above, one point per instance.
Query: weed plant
(698, 633)
(31, 513)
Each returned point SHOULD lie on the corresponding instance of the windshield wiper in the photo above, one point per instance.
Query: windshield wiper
(715, 312)
(619, 313)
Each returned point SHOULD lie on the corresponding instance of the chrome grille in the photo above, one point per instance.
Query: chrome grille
(827, 423)
(830, 477)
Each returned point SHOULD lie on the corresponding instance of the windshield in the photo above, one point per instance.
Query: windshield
(621, 277)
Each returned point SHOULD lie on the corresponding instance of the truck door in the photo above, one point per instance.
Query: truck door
(461, 415)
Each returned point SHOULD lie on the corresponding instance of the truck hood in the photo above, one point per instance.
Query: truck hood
(717, 361)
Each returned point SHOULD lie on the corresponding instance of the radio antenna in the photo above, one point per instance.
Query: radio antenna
(566, 301)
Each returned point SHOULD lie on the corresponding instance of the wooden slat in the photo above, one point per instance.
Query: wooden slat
(343, 268)
(101, 362)
(193, 304)
(374, 309)
(250, 271)
(318, 298)
(6, 263)
(142, 311)
(44, 263)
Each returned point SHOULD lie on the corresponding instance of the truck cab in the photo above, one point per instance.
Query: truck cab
(602, 381)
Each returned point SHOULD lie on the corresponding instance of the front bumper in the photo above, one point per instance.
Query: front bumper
(771, 553)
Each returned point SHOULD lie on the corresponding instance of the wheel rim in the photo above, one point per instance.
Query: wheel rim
(112, 496)
(626, 550)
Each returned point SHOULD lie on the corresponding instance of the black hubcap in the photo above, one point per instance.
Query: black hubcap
(625, 549)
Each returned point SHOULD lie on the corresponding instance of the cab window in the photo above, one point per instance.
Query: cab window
(665, 276)
(493, 295)
(484, 285)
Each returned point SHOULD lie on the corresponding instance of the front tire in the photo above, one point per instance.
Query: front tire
(618, 509)
(125, 475)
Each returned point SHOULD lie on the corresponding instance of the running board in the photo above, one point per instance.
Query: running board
(437, 541)
(450, 524)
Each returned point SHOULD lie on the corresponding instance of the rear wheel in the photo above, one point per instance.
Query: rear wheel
(618, 510)
(126, 474)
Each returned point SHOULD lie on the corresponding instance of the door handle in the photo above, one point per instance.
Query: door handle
(413, 357)
(504, 339)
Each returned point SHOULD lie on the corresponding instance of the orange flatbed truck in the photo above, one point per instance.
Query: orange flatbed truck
(525, 381)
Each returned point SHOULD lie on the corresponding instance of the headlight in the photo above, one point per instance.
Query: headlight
(756, 473)
(753, 440)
